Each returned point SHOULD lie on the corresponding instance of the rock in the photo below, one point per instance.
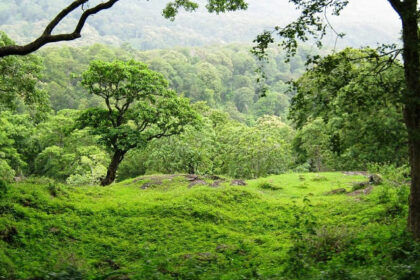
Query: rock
(191, 177)
(353, 173)
(360, 185)
(337, 191)
(150, 185)
(214, 177)
(216, 183)
(238, 183)
(375, 179)
(197, 182)
(364, 191)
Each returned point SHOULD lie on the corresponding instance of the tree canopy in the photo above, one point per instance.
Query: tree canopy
(139, 107)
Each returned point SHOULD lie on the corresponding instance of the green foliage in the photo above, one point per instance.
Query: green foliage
(393, 174)
(19, 83)
(139, 107)
(174, 231)
(67, 154)
(3, 188)
(356, 116)
(224, 77)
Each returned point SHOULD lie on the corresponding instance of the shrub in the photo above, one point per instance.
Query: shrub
(268, 186)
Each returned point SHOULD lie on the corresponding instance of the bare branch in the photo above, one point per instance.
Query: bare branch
(47, 37)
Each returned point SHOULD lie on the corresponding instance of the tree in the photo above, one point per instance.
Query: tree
(361, 112)
(314, 142)
(139, 107)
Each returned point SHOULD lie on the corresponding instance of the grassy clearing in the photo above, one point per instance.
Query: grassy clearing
(165, 227)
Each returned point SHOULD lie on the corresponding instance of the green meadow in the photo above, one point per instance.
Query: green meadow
(291, 226)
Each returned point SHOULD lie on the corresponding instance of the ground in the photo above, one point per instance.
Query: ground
(291, 226)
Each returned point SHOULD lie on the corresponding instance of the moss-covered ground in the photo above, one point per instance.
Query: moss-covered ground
(176, 227)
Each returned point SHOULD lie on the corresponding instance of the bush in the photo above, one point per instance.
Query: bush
(6, 172)
(396, 175)
(268, 186)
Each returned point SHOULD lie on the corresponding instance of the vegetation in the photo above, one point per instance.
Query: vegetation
(181, 130)
(356, 117)
(157, 227)
(139, 108)
(224, 77)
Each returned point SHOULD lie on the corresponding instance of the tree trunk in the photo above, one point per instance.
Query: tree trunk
(413, 124)
(408, 13)
(112, 168)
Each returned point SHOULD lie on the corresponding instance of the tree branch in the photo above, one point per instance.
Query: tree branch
(47, 37)
(396, 5)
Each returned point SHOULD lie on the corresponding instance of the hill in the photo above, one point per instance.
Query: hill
(292, 226)
(140, 23)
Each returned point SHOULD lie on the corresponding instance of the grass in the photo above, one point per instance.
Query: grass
(293, 229)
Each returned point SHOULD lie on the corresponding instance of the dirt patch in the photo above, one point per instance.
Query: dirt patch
(200, 180)
(238, 183)
(197, 182)
(192, 180)
(156, 178)
(150, 185)
(337, 191)
(217, 183)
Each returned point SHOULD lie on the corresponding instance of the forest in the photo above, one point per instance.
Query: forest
(146, 158)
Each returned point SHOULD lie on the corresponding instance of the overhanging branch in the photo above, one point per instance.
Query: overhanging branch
(47, 36)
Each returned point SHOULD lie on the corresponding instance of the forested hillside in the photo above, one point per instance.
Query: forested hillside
(224, 77)
(139, 23)
(240, 133)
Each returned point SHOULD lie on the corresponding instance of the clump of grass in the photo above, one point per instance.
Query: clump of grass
(319, 178)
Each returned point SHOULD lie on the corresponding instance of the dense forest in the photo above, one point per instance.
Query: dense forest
(150, 151)
(238, 129)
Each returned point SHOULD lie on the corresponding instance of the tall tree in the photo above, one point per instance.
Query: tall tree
(139, 107)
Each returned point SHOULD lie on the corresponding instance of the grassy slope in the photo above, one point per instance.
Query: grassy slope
(171, 231)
